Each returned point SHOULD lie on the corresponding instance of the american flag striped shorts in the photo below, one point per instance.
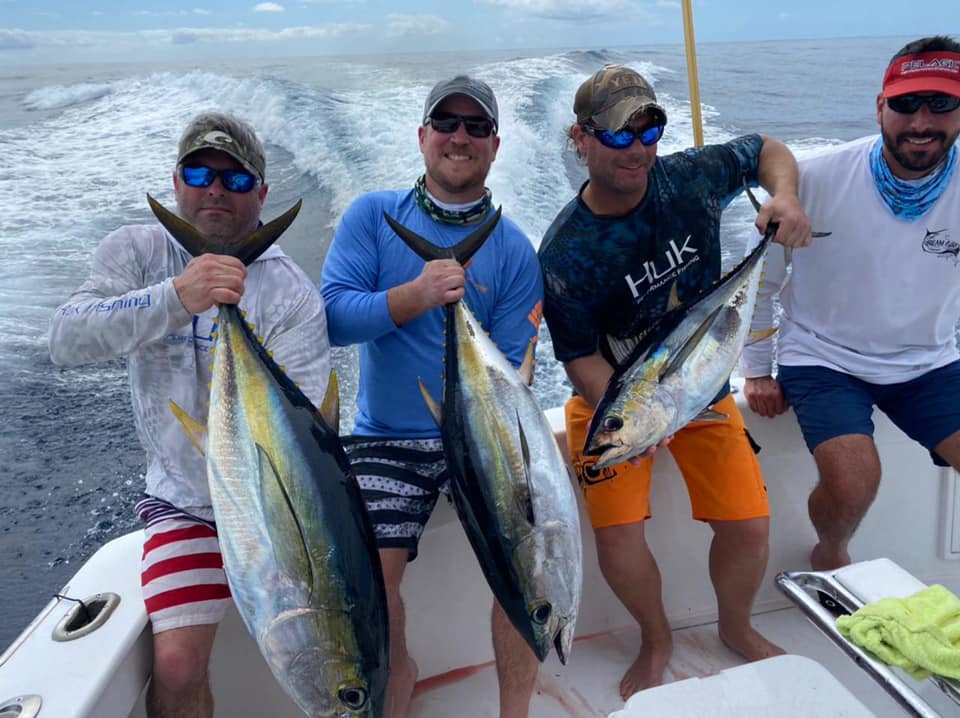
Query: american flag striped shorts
(181, 571)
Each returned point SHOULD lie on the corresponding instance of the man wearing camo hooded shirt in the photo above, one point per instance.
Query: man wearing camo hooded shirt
(147, 300)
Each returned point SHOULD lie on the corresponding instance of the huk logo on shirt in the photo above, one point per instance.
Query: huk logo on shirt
(938, 242)
(654, 274)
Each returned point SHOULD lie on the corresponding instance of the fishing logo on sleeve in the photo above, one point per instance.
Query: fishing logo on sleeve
(938, 242)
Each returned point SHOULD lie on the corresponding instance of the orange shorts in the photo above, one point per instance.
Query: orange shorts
(715, 457)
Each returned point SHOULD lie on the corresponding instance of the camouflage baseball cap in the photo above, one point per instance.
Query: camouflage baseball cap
(612, 96)
(477, 90)
(217, 131)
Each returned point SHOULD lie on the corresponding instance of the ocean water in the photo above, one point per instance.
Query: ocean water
(81, 145)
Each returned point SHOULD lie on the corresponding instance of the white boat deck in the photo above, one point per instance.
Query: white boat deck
(587, 686)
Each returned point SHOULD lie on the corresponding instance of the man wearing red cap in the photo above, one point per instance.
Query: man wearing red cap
(870, 313)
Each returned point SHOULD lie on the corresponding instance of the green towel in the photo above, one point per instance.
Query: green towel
(920, 633)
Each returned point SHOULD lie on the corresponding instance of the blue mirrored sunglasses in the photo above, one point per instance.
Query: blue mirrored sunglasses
(622, 139)
(908, 104)
(232, 180)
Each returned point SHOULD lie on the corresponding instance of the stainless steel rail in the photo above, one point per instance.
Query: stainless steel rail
(795, 584)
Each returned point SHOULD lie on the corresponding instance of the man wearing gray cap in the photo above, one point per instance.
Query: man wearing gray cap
(147, 300)
(640, 227)
(382, 296)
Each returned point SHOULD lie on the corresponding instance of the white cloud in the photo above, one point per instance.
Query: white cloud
(577, 10)
(670, 4)
(201, 11)
(400, 25)
(14, 40)
(267, 7)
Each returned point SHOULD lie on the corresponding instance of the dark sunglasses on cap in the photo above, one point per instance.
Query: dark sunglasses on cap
(938, 103)
(447, 123)
(238, 181)
(621, 139)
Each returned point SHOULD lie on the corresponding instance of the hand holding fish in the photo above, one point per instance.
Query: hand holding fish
(765, 396)
(441, 282)
(210, 279)
(638, 460)
(793, 227)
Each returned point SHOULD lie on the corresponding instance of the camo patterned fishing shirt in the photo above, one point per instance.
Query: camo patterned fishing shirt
(606, 275)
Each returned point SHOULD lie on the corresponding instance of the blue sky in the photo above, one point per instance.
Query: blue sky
(47, 31)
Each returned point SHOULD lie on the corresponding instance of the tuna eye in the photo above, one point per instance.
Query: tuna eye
(612, 423)
(541, 614)
(353, 698)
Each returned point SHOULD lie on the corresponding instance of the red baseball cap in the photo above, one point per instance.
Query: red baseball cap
(936, 71)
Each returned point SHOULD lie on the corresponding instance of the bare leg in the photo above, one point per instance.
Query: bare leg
(403, 669)
(849, 469)
(516, 666)
(180, 687)
(949, 449)
(738, 560)
(630, 569)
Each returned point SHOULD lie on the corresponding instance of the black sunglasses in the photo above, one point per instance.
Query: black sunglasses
(621, 139)
(237, 181)
(938, 103)
(448, 122)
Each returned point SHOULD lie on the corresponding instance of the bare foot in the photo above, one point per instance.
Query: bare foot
(751, 645)
(647, 670)
(826, 558)
(400, 689)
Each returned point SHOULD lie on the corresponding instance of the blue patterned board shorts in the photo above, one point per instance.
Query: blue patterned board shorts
(401, 480)
(829, 403)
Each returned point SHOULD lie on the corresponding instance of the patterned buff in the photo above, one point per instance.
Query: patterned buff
(910, 200)
(449, 216)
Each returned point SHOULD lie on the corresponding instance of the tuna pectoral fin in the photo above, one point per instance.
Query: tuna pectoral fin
(526, 368)
(691, 343)
(246, 251)
(432, 406)
(525, 492)
(709, 414)
(283, 524)
(462, 252)
(195, 431)
(758, 335)
(330, 408)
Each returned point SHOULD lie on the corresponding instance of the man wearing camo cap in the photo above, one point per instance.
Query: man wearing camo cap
(641, 226)
(148, 300)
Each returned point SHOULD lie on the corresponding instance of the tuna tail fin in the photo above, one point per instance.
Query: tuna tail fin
(246, 251)
(195, 431)
(462, 252)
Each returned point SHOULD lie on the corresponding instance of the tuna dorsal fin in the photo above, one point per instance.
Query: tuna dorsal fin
(432, 406)
(758, 335)
(330, 408)
(690, 344)
(195, 431)
(284, 528)
(525, 493)
(246, 251)
(462, 252)
(674, 300)
(526, 368)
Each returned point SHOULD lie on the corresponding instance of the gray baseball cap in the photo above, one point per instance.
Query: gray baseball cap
(476, 90)
(218, 131)
(612, 96)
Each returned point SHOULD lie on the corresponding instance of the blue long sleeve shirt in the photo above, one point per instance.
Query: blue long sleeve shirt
(366, 259)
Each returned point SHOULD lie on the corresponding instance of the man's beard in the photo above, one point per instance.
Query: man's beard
(917, 159)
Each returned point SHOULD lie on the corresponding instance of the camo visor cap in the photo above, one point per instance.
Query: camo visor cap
(235, 138)
(613, 96)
